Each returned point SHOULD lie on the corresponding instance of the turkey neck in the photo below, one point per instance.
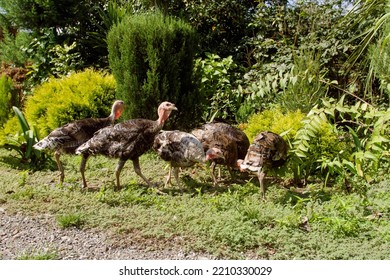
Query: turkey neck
(115, 114)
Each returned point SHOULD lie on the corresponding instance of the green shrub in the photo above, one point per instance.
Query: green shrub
(304, 87)
(276, 121)
(5, 98)
(59, 101)
(12, 48)
(343, 140)
(217, 86)
(325, 144)
(151, 57)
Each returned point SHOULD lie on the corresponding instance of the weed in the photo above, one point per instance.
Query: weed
(50, 255)
(71, 220)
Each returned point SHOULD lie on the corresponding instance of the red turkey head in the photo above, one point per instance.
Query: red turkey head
(214, 153)
(117, 109)
(164, 110)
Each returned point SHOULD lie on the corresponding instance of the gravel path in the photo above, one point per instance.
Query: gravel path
(20, 235)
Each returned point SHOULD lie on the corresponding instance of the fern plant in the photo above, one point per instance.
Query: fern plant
(356, 143)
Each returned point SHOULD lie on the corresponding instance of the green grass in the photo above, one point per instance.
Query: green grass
(39, 256)
(229, 221)
(70, 220)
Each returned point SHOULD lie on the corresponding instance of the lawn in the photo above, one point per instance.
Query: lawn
(229, 221)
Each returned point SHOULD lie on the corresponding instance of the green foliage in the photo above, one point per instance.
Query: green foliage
(39, 53)
(65, 61)
(68, 20)
(260, 91)
(50, 255)
(217, 86)
(315, 142)
(276, 121)
(60, 101)
(305, 86)
(319, 144)
(24, 141)
(223, 25)
(111, 14)
(294, 34)
(50, 59)
(12, 48)
(151, 57)
(380, 60)
(5, 98)
(369, 128)
(70, 220)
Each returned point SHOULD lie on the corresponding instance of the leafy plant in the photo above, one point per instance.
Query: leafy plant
(305, 86)
(320, 144)
(24, 141)
(217, 86)
(370, 130)
(65, 60)
(38, 51)
(317, 141)
(70, 220)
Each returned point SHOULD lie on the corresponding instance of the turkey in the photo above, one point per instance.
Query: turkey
(181, 149)
(127, 140)
(268, 150)
(69, 136)
(231, 141)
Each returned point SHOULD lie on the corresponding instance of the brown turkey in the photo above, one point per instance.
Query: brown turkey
(268, 150)
(181, 149)
(231, 141)
(69, 136)
(127, 140)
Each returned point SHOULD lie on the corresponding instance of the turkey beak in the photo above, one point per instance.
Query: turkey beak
(174, 107)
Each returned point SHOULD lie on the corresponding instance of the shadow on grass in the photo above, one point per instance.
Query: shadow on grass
(17, 163)
(294, 196)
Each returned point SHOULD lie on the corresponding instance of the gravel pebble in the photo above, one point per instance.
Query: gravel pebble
(22, 235)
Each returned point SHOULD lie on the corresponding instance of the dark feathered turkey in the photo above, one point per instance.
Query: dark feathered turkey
(230, 141)
(268, 150)
(180, 149)
(69, 136)
(127, 140)
(206, 131)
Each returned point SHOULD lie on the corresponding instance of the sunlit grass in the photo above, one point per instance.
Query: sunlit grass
(229, 221)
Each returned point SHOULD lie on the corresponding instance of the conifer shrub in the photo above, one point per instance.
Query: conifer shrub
(152, 59)
(60, 101)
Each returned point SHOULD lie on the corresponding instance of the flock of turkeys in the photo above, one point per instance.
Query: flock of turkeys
(216, 142)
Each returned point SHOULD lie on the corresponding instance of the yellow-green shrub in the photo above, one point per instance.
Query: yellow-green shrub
(276, 121)
(5, 98)
(59, 101)
(11, 127)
